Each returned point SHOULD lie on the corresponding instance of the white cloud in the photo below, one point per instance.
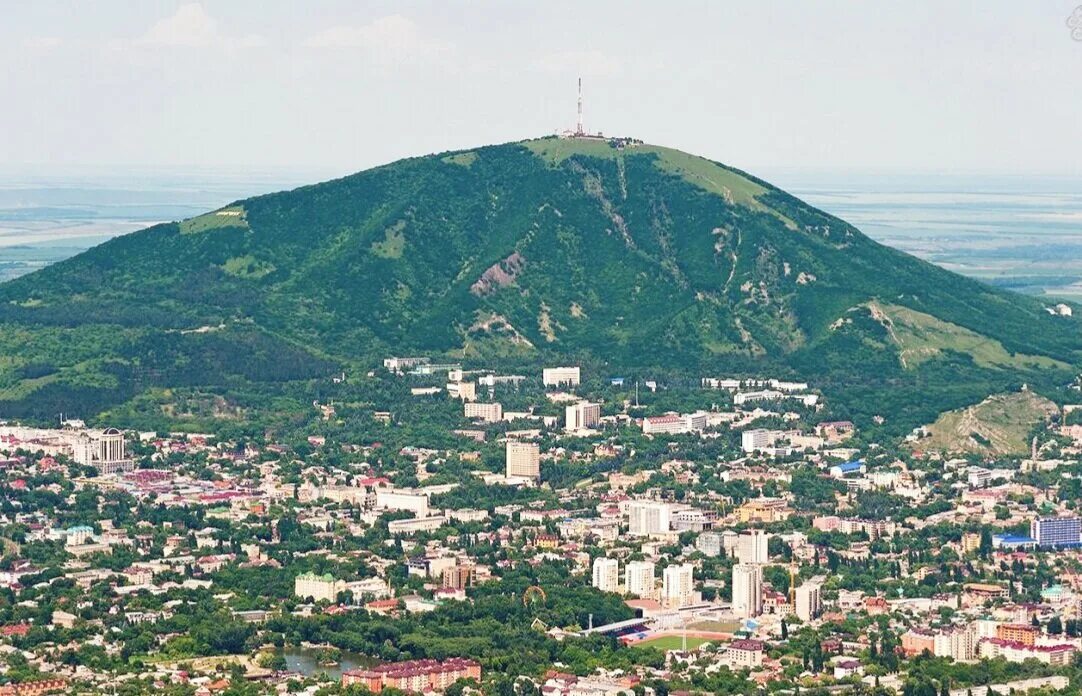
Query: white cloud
(391, 39)
(191, 26)
(45, 43)
(589, 63)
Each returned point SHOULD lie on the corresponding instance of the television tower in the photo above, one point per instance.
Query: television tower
(579, 130)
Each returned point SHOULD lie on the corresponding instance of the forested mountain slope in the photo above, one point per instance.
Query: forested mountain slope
(624, 254)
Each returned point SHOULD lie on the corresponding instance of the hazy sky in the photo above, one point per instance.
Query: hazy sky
(977, 87)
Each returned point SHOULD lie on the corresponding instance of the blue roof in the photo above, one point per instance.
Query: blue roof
(850, 466)
(1014, 539)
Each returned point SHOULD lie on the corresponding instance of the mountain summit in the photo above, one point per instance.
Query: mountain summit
(626, 254)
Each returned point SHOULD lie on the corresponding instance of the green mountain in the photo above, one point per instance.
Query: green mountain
(624, 255)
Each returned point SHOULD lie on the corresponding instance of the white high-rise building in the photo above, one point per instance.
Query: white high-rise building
(560, 376)
(639, 579)
(808, 601)
(647, 517)
(747, 590)
(523, 459)
(754, 440)
(677, 586)
(752, 547)
(582, 415)
(607, 574)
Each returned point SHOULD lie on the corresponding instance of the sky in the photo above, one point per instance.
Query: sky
(989, 87)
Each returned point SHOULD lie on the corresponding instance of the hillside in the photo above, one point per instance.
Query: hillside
(1000, 425)
(631, 256)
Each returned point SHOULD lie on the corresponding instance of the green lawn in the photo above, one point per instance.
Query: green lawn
(671, 643)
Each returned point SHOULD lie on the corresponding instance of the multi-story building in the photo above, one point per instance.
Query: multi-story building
(416, 524)
(745, 653)
(647, 517)
(677, 586)
(457, 577)
(764, 510)
(607, 574)
(1026, 634)
(752, 547)
(808, 601)
(747, 590)
(639, 579)
(466, 391)
(581, 415)
(755, 440)
(523, 459)
(402, 501)
(103, 450)
(709, 543)
(957, 642)
(674, 423)
(318, 587)
(484, 412)
(991, 648)
(1056, 532)
(561, 376)
(416, 676)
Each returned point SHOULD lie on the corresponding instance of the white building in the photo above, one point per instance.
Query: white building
(582, 415)
(560, 376)
(808, 601)
(466, 391)
(752, 547)
(647, 517)
(607, 574)
(678, 586)
(416, 524)
(639, 579)
(755, 440)
(747, 590)
(485, 412)
(317, 587)
(523, 459)
(675, 423)
(402, 500)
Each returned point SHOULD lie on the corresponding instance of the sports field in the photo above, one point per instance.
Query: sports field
(671, 643)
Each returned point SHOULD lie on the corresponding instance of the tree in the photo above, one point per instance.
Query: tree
(1055, 626)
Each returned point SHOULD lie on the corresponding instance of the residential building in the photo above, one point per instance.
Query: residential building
(415, 676)
(561, 376)
(808, 601)
(709, 543)
(677, 586)
(582, 415)
(523, 459)
(607, 574)
(484, 412)
(747, 590)
(745, 653)
(752, 547)
(639, 579)
(318, 587)
(648, 517)
(764, 510)
(1056, 532)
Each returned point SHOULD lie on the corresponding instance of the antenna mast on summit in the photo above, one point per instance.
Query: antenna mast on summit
(580, 130)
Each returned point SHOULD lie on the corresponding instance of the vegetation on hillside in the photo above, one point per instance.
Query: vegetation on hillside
(633, 257)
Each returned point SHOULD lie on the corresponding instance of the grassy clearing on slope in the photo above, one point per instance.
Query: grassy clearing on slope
(701, 172)
(247, 266)
(999, 425)
(233, 216)
(921, 337)
(463, 159)
(393, 243)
